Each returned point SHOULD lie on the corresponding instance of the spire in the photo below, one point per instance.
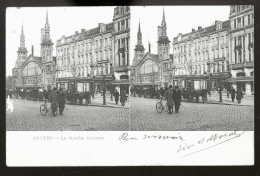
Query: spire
(139, 29)
(22, 38)
(139, 35)
(47, 26)
(163, 25)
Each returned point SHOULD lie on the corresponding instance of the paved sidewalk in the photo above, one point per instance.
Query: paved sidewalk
(248, 100)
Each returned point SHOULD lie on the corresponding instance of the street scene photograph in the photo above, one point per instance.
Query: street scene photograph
(192, 68)
(67, 68)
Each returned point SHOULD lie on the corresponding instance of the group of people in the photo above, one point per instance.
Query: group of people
(57, 99)
(173, 97)
(122, 95)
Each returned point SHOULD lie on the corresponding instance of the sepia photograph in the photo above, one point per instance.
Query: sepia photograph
(69, 69)
(130, 85)
(192, 68)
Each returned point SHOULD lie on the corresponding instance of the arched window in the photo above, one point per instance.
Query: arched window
(32, 68)
(149, 66)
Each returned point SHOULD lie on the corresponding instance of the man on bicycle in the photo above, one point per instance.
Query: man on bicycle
(169, 97)
(53, 100)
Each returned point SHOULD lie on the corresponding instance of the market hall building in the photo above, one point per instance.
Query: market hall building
(98, 58)
(32, 72)
(152, 70)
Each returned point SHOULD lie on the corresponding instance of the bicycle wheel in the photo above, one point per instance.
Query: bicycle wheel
(159, 107)
(43, 110)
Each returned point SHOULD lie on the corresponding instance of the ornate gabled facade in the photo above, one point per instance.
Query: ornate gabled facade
(34, 72)
(152, 69)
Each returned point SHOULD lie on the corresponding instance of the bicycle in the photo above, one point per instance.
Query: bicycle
(160, 106)
(44, 109)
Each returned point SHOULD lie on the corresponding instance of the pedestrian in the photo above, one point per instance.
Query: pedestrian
(116, 94)
(61, 101)
(169, 98)
(177, 98)
(53, 99)
(239, 95)
(203, 95)
(123, 97)
(233, 94)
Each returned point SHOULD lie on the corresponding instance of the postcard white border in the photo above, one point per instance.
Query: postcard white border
(97, 148)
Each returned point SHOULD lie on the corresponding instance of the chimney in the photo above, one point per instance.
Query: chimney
(82, 30)
(199, 28)
(193, 30)
(76, 32)
(149, 47)
(32, 50)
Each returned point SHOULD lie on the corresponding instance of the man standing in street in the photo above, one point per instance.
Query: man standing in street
(61, 101)
(116, 96)
(169, 97)
(53, 99)
(177, 98)
(239, 95)
(233, 94)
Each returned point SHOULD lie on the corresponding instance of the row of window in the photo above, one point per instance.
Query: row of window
(121, 10)
(123, 43)
(87, 58)
(224, 39)
(122, 59)
(243, 21)
(87, 46)
(122, 25)
(85, 71)
(203, 56)
(240, 49)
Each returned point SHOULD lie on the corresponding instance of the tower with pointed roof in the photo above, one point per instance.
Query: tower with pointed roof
(139, 48)
(22, 51)
(21, 56)
(46, 42)
(163, 43)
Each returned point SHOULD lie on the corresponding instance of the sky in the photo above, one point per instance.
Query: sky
(62, 20)
(179, 19)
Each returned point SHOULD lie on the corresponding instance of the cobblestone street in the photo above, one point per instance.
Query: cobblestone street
(192, 116)
(26, 117)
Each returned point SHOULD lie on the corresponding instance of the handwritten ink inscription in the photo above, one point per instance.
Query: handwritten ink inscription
(204, 143)
(126, 137)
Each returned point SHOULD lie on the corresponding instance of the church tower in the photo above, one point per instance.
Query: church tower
(163, 43)
(139, 48)
(22, 51)
(46, 42)
(21, 56)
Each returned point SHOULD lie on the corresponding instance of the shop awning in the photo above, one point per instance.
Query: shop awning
(239, 79)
